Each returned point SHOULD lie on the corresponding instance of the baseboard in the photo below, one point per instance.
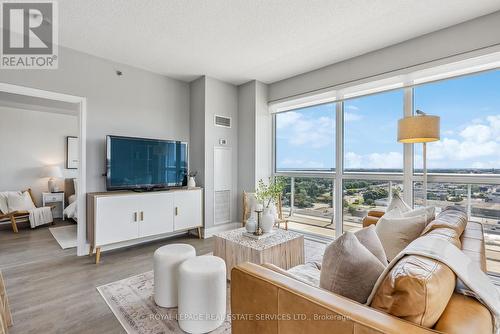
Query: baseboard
(209, 232)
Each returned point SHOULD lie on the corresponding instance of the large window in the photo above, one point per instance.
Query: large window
(305, 139)
(464, 165)
(370, 133)
(469, 107)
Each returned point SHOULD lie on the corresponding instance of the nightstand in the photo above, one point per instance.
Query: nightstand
(56, 199)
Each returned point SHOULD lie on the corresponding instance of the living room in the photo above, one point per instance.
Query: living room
(236, 169)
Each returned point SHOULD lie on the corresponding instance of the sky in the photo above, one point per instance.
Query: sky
(469, 108)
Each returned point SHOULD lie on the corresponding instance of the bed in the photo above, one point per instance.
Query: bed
(70, 189)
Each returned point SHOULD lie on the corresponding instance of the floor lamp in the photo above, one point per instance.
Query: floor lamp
(421, 128)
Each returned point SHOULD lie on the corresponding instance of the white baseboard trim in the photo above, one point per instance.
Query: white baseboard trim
(209, 232)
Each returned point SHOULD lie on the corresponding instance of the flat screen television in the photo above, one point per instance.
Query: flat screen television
(145, 164)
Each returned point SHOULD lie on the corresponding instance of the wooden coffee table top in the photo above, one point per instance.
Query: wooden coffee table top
(280, 236)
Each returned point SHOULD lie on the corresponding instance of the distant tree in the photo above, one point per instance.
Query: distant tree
(369, 202)
(374, 194)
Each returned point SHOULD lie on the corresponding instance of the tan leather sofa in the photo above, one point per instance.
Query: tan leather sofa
(265, 299)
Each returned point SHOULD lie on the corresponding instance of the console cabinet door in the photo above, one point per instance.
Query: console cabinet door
(188, 209)
(116, 219)
(156, 214)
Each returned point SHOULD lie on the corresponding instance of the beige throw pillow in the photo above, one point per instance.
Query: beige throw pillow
(369, 238)
(398, 203)
(395, 233)
(349, 268)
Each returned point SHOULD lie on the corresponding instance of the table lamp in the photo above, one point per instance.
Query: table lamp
(421, 128)
(52, 172)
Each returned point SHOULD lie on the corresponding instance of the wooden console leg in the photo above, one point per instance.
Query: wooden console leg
(14, 224)
(199, 232)
(91, 251)
(97, 255)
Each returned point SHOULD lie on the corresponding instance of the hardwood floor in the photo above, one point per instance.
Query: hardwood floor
(53, 291)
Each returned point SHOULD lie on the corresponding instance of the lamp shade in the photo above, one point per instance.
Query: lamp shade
(418, 129)
(52, 171)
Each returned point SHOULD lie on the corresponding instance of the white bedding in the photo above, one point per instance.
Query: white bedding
(71, 210)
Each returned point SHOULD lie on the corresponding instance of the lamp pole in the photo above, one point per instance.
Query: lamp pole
(424, 186)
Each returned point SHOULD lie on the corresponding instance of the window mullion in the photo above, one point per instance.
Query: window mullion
(408, 150)
(339, 167)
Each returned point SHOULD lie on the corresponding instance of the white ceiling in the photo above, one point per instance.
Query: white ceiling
(241, 40)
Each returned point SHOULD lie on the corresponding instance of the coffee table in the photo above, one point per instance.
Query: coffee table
(283, 248)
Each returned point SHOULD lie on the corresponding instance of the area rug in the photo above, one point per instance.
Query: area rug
(65, 235)
(131, 301)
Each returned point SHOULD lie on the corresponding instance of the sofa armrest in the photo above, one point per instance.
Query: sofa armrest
(266, 301)
(376, 213)
(372, 217)
(370, 220)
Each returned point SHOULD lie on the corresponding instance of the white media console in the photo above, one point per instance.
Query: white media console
(119, 216)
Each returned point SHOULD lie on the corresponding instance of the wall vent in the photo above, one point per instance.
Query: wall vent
(222, 207)
(222, 121)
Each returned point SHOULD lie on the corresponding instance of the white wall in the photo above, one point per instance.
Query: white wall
(254, 138)
(474, 35)
(29, 141)
(139, 103)
(210, 97)
(221, 98)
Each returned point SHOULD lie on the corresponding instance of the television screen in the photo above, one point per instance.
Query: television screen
(138, 163)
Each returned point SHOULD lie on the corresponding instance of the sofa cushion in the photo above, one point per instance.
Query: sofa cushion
(451, 217)
(349, 268)
(307, 273)
(396, 233)
(464, 315)
(416, 289)
(448, 234)
(369, 238)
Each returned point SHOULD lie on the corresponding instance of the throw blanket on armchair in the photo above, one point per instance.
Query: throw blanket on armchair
(40, 216)
(467, 271)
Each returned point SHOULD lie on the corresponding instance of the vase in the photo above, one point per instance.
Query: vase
(251, 225)
(267, 220)
(191, 182)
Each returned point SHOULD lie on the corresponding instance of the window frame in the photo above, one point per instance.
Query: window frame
(408, 176)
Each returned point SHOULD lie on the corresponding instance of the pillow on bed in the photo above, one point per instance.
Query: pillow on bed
(20, 201)
(72, 198)
(75, 185)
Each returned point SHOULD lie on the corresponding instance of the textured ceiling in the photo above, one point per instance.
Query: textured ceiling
(241, 40)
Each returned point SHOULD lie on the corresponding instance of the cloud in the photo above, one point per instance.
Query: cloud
(309, 132)
(352, 117)
(352, 107)
(388, 160)
(480, 139)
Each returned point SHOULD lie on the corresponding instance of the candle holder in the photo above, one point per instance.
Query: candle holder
(258, 230)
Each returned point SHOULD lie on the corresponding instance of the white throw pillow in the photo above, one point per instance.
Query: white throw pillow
(396, 233)
(4, 207)
(429, 212)
(18, 201)
(398, 203)
(75, 185)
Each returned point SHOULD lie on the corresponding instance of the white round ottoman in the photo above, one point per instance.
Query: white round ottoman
(166, 269)
(202, 294)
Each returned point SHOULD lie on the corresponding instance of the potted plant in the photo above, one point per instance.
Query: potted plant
(267, 195)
